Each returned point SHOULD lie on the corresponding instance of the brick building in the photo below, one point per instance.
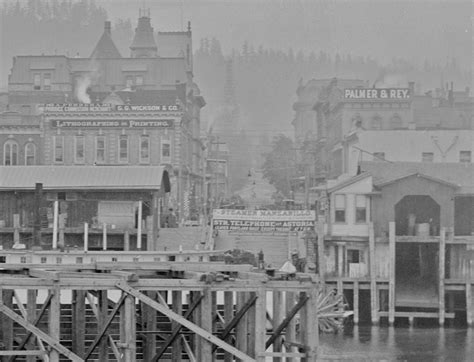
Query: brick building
(111, 110)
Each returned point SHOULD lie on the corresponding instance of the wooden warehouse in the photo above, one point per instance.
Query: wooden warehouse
(90, 207)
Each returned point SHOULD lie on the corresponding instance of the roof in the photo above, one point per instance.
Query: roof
(144, 37)
(453, 174)
(105, 48)
(84, 177)
(348, 182)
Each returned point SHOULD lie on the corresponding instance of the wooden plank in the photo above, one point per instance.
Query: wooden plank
(311, 332)
(22, 353)
(115, 350)
(391, 291)
(129, 322)
(241, 327)
(54, 319)
(290, 334)
(31, 316)
(174, 333)
(417, 314)
(105, 325)
(321, 258)
(177, 305)
(103, 308)
(188, 349)
(356, 302)
(191, 326)
(469, 304)
(54, 343)
(126, 240)
(228, 314)
(277, 318)
(373, 276)
(43, 274)
(282, 355)
(260, 324)
(6, 324)
(442, 275)
(206, 324)
(78, 305)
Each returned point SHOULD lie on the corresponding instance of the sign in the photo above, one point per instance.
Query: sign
(160, 123)
(81, 107)
(263, 220)
(377, 93)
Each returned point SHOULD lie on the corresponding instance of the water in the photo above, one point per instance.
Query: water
(366, 343)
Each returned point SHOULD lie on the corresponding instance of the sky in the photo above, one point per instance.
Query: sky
(412, 29)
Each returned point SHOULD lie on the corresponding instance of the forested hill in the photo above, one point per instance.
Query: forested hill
(265, 79)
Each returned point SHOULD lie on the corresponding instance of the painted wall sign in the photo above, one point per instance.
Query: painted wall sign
(159, 123)
(80, 107)
(377, 93)
(263, 220)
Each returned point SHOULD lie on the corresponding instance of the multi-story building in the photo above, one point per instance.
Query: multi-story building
(108, 109)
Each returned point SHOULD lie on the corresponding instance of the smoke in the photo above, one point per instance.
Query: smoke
(390, 80)
(82, 84)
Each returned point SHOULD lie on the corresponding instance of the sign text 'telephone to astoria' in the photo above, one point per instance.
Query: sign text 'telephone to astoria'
(263, 220)
(377, 93)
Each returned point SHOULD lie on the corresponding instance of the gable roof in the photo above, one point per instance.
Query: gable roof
(105, 47)
(84, 177)
(416, 174)
(348, 182)
(453, 174)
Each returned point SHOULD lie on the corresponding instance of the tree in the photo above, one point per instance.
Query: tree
(279, 165)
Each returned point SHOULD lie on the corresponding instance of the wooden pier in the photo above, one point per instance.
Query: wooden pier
(150, 311)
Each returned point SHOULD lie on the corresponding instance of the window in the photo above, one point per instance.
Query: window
(47, 81)
(361, 209)
(379, 156)
(100, 149)
(30, 154)
(129, 81)
(165, 151)
(427, 157)
(376, 122)
(10, 153)
(123, 148)
(37, 81)
(395, 122)
(465, 156)
(79, 145)
(353, 256)
(139, 80)
(144, 149)
(58, 149)
(340, 208)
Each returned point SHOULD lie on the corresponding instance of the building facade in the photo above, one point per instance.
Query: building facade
(107, 109)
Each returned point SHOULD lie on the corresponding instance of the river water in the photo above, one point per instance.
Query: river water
(368, 343)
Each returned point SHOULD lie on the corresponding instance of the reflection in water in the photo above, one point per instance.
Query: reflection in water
(366, 343)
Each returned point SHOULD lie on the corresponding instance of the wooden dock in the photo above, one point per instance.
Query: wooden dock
(147, 311)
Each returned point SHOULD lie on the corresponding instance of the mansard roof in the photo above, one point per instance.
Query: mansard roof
(106, 48)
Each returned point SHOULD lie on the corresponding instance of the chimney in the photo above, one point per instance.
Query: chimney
(108, 27)
(411, 87)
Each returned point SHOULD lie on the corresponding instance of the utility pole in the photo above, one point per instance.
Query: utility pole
(37, 216)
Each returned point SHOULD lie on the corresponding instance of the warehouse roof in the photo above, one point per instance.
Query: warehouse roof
(84, 177)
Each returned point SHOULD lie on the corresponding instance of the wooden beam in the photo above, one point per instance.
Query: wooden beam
(22, 353)
(191, 326)
(78, 321)
(105, 326)
(177, 328)
(290, 334)
(103, 309)
(206, 324)
(277, 318)
(391, 283)
(373, 276)
(286, 321)
(54, 343)
(188, 349)
(311, 332)
(442, 275)
(54, 318)
(228, 313)
(177, 304)
(260, 324)
(37, 319)
(129, 322)
(355, 304)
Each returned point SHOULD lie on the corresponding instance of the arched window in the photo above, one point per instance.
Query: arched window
(10, 153)
(376, 122)
(30, 154)
(396, 122)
